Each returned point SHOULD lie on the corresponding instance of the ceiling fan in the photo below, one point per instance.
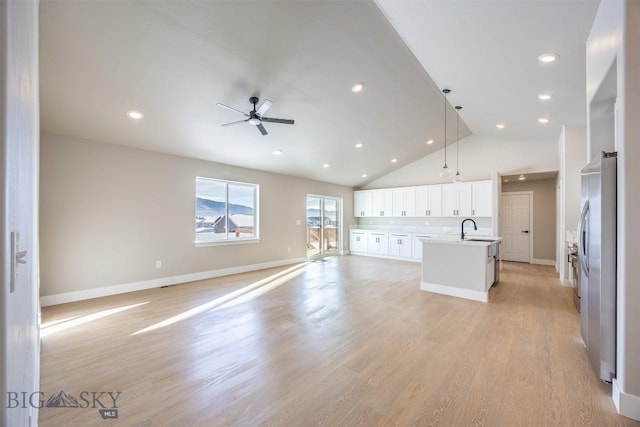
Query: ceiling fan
(255, 116)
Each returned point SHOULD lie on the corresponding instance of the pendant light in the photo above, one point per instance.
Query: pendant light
(445, 172)
(458, 177)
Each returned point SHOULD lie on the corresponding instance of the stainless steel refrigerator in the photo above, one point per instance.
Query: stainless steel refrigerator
(597, 254)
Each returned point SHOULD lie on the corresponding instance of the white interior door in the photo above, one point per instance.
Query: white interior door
(515, 219)
(19, 141)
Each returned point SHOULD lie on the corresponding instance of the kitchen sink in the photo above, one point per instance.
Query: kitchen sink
(480, 239)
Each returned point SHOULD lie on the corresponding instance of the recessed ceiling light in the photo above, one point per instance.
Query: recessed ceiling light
(326, 165)
(500, 126)
(544, 96)
(548, 57)
(394, 160)
(522, 178)
(357, 87)
(359, 145)
(364, 175)
(543, 120)
(429, 142)
(277, 152)
(135, 114)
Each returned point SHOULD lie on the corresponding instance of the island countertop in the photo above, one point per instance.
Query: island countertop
(470, 240)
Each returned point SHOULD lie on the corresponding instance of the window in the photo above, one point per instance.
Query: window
(225, 211)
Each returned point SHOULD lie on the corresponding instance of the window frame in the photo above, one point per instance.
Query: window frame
(255, 238)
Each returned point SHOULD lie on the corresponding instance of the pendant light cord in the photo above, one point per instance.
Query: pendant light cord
(458, 142)
(446, 91)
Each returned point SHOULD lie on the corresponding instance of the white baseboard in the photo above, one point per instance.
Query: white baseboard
(566, 283)
(543, 261)
(156, 283)
(386, 256)
(455, 292)
(626, 404)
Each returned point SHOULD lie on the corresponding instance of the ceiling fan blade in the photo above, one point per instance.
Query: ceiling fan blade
(261, 129)
(235, 123)
(264, 107)
(232, 109)
(270, 120)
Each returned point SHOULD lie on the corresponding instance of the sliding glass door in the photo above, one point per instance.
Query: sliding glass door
(323, 225)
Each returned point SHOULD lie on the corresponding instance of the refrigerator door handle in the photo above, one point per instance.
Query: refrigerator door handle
(583, 239)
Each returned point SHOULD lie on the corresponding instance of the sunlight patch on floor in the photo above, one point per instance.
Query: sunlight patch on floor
(238, 296)
(50, 328)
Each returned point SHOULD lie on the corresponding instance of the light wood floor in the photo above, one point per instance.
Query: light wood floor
(343, 342)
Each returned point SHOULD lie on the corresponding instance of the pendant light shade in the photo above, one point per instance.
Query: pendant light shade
(445, 172)
(458, 175)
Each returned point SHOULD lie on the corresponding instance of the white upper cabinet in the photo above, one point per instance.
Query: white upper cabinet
(404, 201)
(428, 200)
(362, 203)
(441, 200)
(382, 201)
(456, 199)
(482, 198)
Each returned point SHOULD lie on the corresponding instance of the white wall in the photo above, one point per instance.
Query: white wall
(614, 38)
(573, 157)
(19, 130)
(108, 212)
(480, 157)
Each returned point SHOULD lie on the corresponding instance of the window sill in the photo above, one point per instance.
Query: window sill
(227, 242)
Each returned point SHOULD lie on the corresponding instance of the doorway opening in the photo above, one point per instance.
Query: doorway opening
(324, 218)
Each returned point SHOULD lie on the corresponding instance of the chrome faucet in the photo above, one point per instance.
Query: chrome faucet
(475, 227)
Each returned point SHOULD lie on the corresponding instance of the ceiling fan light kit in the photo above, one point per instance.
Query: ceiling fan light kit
(255, 117)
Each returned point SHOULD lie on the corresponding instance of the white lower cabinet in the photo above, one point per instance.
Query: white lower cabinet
(358, 241)
(385, 244)
(417, 246)
(400, 245)
(378, 243)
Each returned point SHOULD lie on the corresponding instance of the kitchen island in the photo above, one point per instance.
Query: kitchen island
(460, 268)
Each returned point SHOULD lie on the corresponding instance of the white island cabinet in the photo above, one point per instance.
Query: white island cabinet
(459, 268)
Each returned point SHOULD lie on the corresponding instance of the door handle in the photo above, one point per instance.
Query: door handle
(17, 257)
(526, 231)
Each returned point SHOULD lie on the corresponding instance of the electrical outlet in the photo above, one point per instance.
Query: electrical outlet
(298, 222)
(158, 264)
(289, 250)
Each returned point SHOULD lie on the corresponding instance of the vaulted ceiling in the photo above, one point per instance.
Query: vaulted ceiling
(175, 60)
